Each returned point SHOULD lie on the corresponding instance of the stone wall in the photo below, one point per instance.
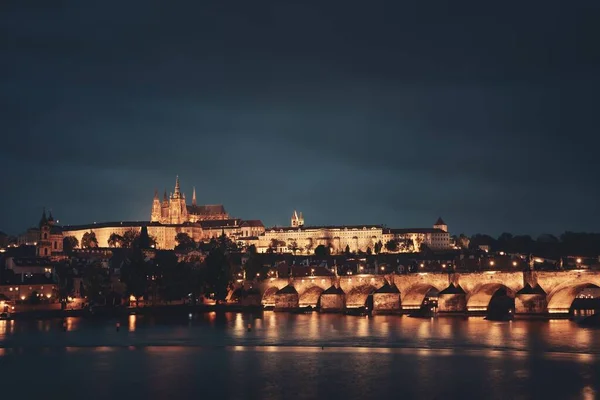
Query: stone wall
(286, 301)
(561, 288)
(452, 302)
(386, 302)
(530, 304)
(332, 302)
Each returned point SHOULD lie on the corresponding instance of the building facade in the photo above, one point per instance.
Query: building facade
(302, 239)
(172, 216)
(50, 241)
(173, 210)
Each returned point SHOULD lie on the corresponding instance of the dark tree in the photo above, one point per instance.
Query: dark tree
(129, 238)
(369, 252)
(392, 245)
(293, 246)
(378, 246)
(226, 244)
(34, 298)
(218, 275)
(177, 281)
(143, 240)
(134, 274)
(251, 250)
(322, 251)
(482, 240)
(253, 266)
(347, 250)
(69, 244)
(89, 240)
(95, 283)
(115, 240)
(184, 242)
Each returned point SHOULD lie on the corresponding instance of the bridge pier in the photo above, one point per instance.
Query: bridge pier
(333, 300)
(386, 300)
(531, 300)
(453, 299)
(286, 299)
(543, 293)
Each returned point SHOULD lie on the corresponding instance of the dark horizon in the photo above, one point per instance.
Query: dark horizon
(395, 114)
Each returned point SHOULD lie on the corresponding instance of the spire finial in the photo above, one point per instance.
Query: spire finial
(194, 196)
(43, 220)
(176, 193)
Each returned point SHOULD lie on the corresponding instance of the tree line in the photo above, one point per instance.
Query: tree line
(160, 277)
(546, 245)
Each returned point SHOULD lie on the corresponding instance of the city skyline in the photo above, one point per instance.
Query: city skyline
(389, 114)
(282, 221)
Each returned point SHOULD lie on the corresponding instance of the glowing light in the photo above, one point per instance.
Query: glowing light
(578, 261)
(22, 297)
(422, 265)
(514, 263)
(492, 263)
(443, 265)
(48, 295)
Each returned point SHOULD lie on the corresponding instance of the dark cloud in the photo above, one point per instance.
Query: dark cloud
(387, 112)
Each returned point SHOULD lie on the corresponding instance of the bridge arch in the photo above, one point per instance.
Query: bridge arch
(310, 296)
(562, 297)
(268, 298)
(358, 296)
(412, 298)
(479, 298)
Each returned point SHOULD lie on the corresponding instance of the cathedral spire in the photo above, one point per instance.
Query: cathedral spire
(165, 198)
(155, 194)
(176, 193)
(43, 220)
(194, 196)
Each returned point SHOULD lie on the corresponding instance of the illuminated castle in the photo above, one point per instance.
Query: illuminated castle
(174, 210)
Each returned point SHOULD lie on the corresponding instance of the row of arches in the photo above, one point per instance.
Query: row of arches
(481, 298)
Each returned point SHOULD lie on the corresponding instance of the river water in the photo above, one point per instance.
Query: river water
(306, 356)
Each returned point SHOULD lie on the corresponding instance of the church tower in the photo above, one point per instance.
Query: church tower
(156, 209)
(440, 224)
(177, 206)
(44, 244)
(297, 221)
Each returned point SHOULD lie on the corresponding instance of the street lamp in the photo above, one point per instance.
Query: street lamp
(514, 263)
(578, 260)
(492, 263)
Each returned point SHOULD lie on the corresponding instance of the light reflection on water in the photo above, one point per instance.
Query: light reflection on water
(307, 356)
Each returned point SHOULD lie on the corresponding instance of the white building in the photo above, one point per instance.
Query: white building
(302, 239)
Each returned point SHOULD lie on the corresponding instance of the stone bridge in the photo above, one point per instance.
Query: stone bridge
(535, 292)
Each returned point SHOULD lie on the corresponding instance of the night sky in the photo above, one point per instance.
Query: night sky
(354, 112)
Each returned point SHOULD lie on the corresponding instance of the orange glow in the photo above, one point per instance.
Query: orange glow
(132, 319)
